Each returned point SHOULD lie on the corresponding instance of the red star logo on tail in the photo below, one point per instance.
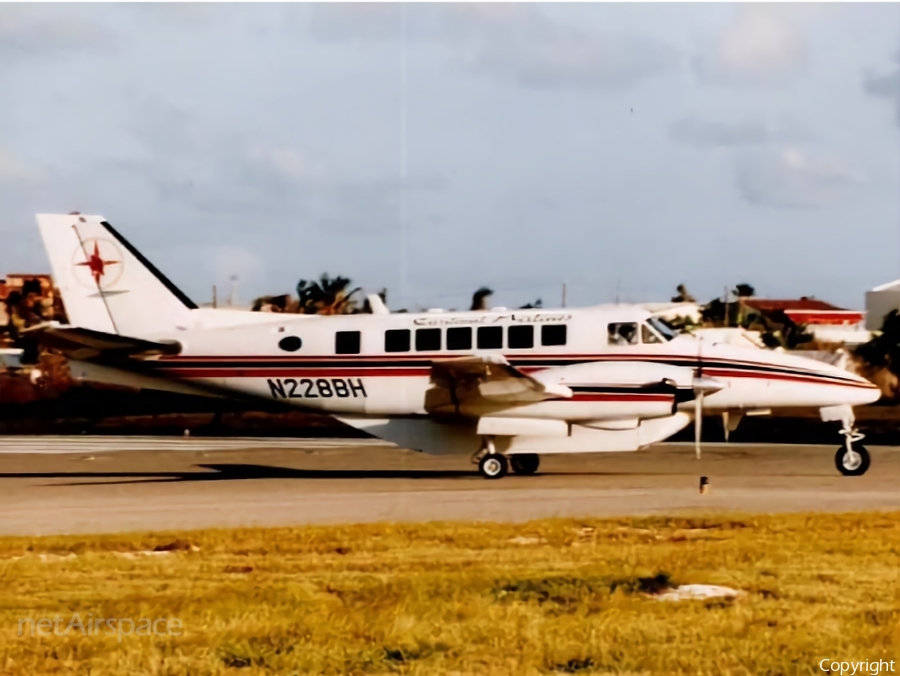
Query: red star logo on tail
(96, 264)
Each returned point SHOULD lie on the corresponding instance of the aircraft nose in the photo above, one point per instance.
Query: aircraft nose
(857, 390)
(869, 394)
(863, 390)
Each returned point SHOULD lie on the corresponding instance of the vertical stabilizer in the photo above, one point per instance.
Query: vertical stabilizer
(106, 284)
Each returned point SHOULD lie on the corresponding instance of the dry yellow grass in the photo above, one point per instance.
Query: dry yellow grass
(558, 596)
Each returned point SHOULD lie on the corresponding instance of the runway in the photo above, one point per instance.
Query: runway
(67, 485)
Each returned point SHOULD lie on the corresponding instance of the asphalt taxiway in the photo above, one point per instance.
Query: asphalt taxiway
(71, 485)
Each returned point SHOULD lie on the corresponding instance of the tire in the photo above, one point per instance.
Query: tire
(493, 466)
(863, 466)
(525, 464)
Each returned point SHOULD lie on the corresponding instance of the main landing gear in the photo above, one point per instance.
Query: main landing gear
(491, 465)
(852, 460)
(494, 465)
(525, 463)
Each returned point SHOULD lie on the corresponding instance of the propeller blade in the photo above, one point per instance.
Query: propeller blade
(702, 385)
(698, 422)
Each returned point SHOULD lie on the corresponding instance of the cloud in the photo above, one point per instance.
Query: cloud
(793, 178)
(14, 169)
(373, 21)
(191, 15)
(552, 56)
(697, 131)
(233, 176)
(885, 87)
(29, 32)
(225, 261)
(286, 161)
(514, 43)
(337, 22)
(761, 47)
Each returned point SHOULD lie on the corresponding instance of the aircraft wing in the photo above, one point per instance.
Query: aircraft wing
(79, 343)
(490, 379)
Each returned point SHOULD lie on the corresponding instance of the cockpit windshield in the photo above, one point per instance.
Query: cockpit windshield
(662, 328)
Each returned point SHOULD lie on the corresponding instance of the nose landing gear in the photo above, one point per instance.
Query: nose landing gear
(850, 460)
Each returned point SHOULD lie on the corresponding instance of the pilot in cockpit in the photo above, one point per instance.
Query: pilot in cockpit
(623, 334)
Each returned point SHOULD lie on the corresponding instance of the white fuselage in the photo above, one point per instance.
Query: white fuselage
(379, 365)
(607, 378)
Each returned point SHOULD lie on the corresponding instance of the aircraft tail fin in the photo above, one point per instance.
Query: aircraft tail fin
(106, 284)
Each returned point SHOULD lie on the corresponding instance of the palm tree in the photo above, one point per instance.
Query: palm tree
(326, 297)
(480, 297)
(683, 295)
(283, 303)
(879, 359)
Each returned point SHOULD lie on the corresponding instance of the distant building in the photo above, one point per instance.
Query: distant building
(26, 300)
(879, 302)
(16, 282)
(826, 322)
(808, 311)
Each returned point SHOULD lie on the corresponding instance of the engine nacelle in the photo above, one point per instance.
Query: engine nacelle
(630, 374)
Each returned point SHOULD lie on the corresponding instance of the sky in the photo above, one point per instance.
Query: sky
(621, 149)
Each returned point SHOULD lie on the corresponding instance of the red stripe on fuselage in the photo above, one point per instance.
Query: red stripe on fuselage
(170, 366)
(419, 372)
(635, 396)
(769, 375)
(299, 372)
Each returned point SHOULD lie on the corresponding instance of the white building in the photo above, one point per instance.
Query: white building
(879, 302)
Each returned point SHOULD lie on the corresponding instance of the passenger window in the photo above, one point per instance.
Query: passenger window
(490, 337)
(553, 334)
(346, 342)
(396, 340)
(290, 343)
(648, 335)
(520, 337)
(625, 333)
(428, 339)
(459, 338)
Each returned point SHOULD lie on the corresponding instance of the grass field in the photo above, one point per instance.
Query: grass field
(558, 596)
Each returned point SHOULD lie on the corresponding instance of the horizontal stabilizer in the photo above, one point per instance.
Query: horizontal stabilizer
(80, 343)
(85, 371)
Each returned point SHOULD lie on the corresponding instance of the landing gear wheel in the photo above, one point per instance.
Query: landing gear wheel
(854, 464)
(525, 463)
(493, 466)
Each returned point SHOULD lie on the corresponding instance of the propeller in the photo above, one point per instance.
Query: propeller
(698, 421)
(702, 385)
(698, 400)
